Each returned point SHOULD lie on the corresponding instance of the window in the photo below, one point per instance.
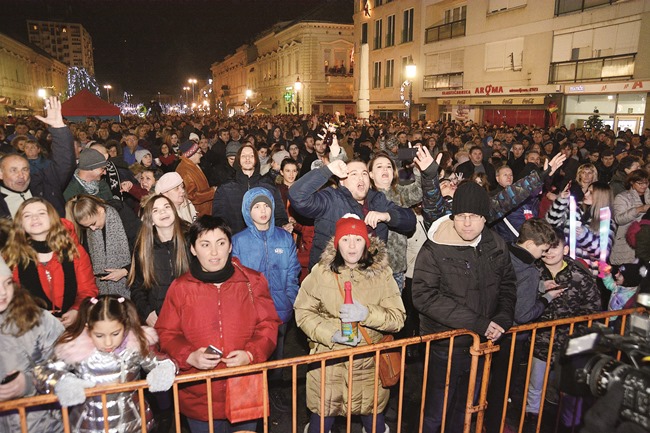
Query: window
(568, 6)
(598, 42)
(390, 31)
(407, 26)
(390, 70)
(378, 32)
(444, 70)
(504, 55)
(455, 14)
(364, 33)
(402, 74)
(376, 77)
(502, 5)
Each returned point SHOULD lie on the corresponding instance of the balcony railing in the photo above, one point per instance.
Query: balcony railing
(598, 69)
(569, 6)
(443, 81)
(445, 31)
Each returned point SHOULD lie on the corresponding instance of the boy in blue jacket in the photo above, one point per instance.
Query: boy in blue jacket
(272, 251)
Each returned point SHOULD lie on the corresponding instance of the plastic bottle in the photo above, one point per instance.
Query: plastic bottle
(349, 329)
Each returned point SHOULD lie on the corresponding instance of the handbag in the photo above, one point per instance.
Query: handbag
(245, 393)
(245, 398)
(390, 361)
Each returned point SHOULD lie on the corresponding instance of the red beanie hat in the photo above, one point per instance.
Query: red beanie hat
(350, 224)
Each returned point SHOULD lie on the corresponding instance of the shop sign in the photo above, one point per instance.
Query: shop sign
(628, 86)
(492, 89)
(515, 100)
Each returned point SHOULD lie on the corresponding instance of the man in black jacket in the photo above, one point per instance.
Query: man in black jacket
(463, 278)
(20, 183)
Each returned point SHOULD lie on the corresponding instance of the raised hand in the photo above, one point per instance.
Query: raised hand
(54, 117)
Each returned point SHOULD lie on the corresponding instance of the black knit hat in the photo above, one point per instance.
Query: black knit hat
(470, 197)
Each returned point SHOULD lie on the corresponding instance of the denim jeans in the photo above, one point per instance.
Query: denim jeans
(366, 420)
(220, 426)
(458, 388)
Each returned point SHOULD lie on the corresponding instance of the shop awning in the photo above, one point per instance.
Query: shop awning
(494, 100)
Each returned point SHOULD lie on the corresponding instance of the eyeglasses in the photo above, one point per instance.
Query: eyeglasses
(468, 216)
(641, 182)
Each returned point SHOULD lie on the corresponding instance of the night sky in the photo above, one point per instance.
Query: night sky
(150, 46)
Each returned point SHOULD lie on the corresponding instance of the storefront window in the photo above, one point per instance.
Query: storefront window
(605, 104)
(631, 103)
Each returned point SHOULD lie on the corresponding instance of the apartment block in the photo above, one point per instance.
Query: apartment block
(69, 43)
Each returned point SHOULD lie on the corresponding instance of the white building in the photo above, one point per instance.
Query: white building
(69, 43)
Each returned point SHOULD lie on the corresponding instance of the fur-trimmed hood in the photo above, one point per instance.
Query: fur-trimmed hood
(82, 347)
(377, 246)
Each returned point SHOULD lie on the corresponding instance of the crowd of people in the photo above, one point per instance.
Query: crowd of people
(189, 243)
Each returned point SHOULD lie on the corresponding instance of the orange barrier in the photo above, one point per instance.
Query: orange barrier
(474, 412)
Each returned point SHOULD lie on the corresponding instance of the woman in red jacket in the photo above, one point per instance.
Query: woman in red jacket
(48, 260)
(220, 303)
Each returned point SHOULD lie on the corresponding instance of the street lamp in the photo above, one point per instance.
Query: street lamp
(249, 93)
(186, 88)
(108, 88)
(297, 85)
(192, 81)
(411, 72)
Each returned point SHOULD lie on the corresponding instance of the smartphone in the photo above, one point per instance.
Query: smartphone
(8, 378)
(101, 274)
(407, 153)
(556, 288)
(211, 350)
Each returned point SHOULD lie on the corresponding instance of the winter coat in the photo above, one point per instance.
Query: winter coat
(581, 297)
(148, 300)
(23, 353)
(457, 285)
(403, 196)
(624, 213)
(271, 252)
(617, 184)
(75, 188)
(328, 205)
(50, 181)
(317, 314)
(238, 315)
(82, 359)
(468, 168)
(199, 192)
(529, 305)
(587, 241)
(229, 197)
(516, 218)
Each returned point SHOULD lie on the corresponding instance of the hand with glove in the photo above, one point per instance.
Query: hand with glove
(161, 378)
(70, 390)
(353, 312)
(339, 338)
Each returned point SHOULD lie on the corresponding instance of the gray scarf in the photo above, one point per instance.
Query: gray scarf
(91, 187)
(109, 249)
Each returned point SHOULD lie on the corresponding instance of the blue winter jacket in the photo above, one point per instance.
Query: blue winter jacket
(328, 205)
(271, 252)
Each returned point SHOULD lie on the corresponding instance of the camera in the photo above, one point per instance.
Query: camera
(590, 366)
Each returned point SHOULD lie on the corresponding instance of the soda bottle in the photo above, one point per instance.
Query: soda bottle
(349, 329)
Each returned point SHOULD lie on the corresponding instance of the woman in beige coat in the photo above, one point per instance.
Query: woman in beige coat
(319, 308)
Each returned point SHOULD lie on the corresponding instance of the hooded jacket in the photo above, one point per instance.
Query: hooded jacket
(271, 252)
(229, 196)
(317, 314)
(82, 359)
(459, 284)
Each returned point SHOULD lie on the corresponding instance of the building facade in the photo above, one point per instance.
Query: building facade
(69, 43)
(24, 70)
(521, 61)
(303, 66)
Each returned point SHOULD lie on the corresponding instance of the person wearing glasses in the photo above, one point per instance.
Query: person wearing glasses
(463, 278)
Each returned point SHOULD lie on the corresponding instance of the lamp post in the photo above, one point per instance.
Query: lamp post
(411, 72)
(108, 88)
(186, 88)
(192, 81)
(298, 86)
(248, 93)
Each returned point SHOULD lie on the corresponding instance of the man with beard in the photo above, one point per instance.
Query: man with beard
(353, 195)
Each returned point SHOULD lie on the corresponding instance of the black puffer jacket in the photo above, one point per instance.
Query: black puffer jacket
(456, 285)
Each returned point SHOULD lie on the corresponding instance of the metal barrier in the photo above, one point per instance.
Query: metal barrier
(474, 414)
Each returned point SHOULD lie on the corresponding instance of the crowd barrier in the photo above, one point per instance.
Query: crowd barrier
(474, 410)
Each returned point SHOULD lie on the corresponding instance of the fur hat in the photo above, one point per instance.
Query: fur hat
(470, 197)
(91, 159)
(350, 224)
(168, 181)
